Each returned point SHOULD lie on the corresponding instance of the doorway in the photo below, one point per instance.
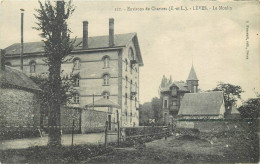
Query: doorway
(109, 122)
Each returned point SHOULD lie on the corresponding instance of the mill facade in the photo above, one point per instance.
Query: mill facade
(106, 67)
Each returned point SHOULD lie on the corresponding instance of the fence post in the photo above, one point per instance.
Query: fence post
(106, 134)
(72, 133)
(172, 124)
(118, 129)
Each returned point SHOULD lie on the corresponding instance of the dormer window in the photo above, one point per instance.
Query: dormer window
(32, 67)
(131, 54)
(131, 58)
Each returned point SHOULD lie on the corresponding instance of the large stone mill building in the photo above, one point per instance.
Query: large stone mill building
(106, 67)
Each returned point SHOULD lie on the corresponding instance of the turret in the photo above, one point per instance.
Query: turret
(192, 81)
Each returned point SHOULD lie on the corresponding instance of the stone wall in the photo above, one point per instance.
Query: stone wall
(213, 125)
(67, 117)
(93, 121)
(20, 112)
(85, 121)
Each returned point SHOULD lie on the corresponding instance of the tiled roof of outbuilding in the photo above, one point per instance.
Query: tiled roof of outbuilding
(205, 103)
(17, 78)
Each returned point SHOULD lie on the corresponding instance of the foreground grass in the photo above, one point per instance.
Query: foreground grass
(43, 154)
(223, 147)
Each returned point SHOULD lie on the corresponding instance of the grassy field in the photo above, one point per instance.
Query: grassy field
(223, 147)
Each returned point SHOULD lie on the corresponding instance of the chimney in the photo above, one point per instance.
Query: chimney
(85, 34)
(21, 53)
(111, 32)
(2, 61)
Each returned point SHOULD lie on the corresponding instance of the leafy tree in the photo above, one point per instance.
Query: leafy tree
(52, 22)
(157, 109)
(231, 94)
(145, 113)
(67, 88)
(250, 108)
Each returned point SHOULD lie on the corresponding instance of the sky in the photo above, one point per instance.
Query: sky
(215, 39)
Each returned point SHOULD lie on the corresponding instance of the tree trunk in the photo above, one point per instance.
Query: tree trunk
(55, 101)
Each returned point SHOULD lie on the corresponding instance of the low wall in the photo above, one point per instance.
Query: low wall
(213, 125)
(67, 116)
(93, 121)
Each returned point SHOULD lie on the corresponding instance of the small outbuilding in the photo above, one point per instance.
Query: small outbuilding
(101, 106)
(205, 105)
(203, 111)
(19, 103)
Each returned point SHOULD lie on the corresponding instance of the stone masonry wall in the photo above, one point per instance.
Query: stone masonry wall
(67, 117)
(19, 111)
(93, 121)
(212, 125)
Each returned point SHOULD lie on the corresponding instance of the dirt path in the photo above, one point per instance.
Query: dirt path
(94, 138)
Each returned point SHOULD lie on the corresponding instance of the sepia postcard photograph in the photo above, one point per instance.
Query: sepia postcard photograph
(122, 81)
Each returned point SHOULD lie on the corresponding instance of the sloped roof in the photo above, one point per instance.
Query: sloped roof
(192, 75)
(206, 103)
(234, 110)
(181, 85)
(104, 103)
(17, 78)
(93, 43)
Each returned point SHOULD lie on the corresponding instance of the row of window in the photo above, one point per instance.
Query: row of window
(76, 64)
(131, 98)
(76, 96)
(131, 67)
(131, 83)
(105, 96)
(32, 65)
(131, 116)
(105, 59)
(106, 78)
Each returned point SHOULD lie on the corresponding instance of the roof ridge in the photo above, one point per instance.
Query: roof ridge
(16, 69)
(134, 33)
(206, 92)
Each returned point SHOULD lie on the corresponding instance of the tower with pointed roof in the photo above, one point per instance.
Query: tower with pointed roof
(192, 81)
